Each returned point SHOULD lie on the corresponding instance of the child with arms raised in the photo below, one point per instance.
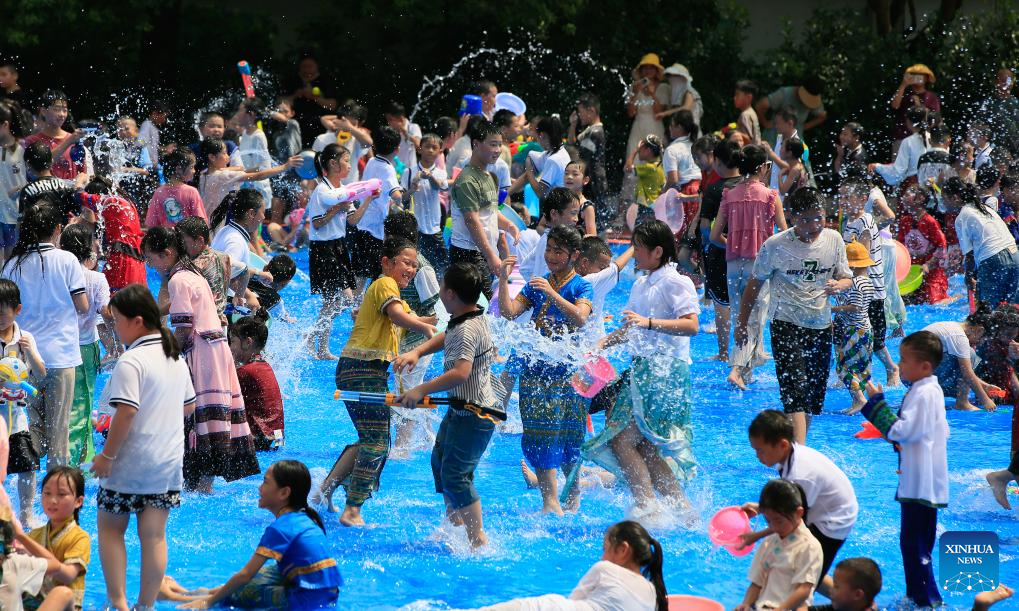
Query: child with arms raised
(463, 435)
(364, 366)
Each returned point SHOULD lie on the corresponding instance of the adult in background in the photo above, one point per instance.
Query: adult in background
(682, 94)
(804, 100)
(649, 96)
(588, 134)
(313, 98)
(1001, 110)
(912, 92)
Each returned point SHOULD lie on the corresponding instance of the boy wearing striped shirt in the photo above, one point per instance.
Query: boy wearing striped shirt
(463, 435)
(852, 332)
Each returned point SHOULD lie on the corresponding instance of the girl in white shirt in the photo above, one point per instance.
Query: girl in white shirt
(12, 173)
(628, 578)
(550, 170)
(254, 146)
(648, 435)
(905, 166)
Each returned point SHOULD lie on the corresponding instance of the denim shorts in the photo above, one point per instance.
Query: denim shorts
(461, 441)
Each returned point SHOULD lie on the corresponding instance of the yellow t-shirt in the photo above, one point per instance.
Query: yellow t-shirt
(374, 336)
(71, 545)
(650, 180)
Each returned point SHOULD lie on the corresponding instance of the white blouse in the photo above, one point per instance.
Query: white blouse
(662, 294)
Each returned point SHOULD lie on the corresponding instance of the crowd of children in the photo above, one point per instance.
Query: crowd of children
(192, 397)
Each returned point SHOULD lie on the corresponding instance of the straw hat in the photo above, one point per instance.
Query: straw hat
(810, 100)
(858, 255)
(922, 69)
(679, 70)
(650, 59)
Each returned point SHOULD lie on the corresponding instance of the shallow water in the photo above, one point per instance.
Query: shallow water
(404, 559)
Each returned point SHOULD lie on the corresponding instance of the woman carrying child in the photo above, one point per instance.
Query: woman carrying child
(648, 434)
(219, 440)
(553, 414)
(364, 367)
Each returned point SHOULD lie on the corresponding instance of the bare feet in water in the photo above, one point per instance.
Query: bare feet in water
(984, 600)
(529, 477)
(966, 406)
(351, 516)
(893, 378)
(999, 480)
(736, 380)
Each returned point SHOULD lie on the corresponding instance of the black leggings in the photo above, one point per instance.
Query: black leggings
(878, 324)
(802, 361)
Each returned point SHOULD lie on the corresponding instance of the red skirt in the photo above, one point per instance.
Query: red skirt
(690, 208)
(122, 270)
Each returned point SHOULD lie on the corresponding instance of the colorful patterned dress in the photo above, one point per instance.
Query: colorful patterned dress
(926, 243)
(218, 440)
(215, 267)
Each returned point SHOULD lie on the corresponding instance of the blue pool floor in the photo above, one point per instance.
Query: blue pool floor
(406, 560)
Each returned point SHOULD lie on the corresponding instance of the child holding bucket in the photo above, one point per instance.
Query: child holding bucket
(787, 565)
(364, 366)
(553, 414)
(648, 435)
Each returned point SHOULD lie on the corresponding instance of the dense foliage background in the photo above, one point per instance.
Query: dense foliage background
(546, 52)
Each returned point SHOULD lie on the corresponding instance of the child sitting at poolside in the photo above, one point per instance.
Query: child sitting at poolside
(787, 565)
(827, 490)
(851, 329)
(629, 576)
(468, 352)
(364, 366)
(919, 432)
(263, 403)
(305, 575)
(857, 583)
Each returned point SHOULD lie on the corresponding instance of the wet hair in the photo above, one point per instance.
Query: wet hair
(159, 239)
(481, 87)
(981, 316)
(558, 199)
(552, 127)
(205, 117)
(981, 129)
(786, 114)
(294, 475)
(926, 346)
(795, 147)
(444, 126)
(804, 200)
(566, 236)
(481, 130)
(771, 426)
(727, 152)
(750, 159)
(211, 146)
(385, 140)
(136, 300)
(504, 117)
(987, 176)
(352, 110)
(654, 233)
(51, 97)
(177, 162)
(783, 497)
(77, 240)
(395, 109)
(38, 157)
(282, 268)
(236, 204)
(73, 476)
(966, 192)
(100, 185)
(862, 574)
(647, 553)
(331, 152)
(250, 327)
(465, 280)
(193, 227)
(1009, 179)
(254, 106)
(920, 118)
(747, 86)
(581, 163)
(593, 247)
(589, 100)
(856, 129)
(684, 118)
(10, 294)
(1005, 317)
(12, 113)
(653, 144)
(431, 137)
(705, 145)
(38, 224)
(856, 186)
(393, 246)
(403, 225)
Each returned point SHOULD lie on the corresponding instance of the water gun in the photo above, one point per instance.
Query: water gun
(869, 431)
(245, 70)
(363, 189)
(14, 374)
(427, 402)
(524, 149)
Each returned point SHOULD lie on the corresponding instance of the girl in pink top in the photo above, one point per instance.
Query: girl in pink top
(176, 200)
(746, 218)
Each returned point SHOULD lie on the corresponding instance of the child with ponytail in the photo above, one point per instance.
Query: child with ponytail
(217, 180)
(628, 576)
(296, 540)
(139, 468)
(218, 438)
(254, 146)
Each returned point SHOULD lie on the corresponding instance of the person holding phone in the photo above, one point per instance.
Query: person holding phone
(912, 92)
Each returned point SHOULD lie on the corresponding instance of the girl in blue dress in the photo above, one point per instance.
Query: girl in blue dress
(553, 414)
(305, 576)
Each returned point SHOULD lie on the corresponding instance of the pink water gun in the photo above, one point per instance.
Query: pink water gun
(363, 189)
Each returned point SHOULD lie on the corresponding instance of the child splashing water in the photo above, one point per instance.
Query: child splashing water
(627, 578)
(648, 434)
(364, 366)
(551, 411)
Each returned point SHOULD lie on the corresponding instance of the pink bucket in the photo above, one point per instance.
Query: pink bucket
(685, 602)
(725, 528)
(596, 373)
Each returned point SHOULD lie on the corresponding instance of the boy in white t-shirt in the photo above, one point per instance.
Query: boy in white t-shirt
(423, 184)
(597, 266)
(410, 133)
(371, 215)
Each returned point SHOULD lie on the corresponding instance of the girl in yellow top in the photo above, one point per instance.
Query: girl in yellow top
(364, 366)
